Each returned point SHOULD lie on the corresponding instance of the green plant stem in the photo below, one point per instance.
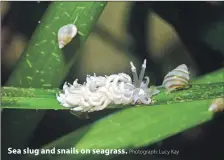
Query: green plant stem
(21, 98)
(130, 128)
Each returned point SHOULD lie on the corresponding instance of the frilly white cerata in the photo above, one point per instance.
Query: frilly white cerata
(99, 92)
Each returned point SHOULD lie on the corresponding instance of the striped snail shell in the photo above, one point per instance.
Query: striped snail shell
(66, 34)
(217, 105)
(177, 78)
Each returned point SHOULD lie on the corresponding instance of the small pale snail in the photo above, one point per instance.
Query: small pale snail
(217, 105)
(66, 34)
(177, 78)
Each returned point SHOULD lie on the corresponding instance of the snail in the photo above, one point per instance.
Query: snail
(178, 78)
(217, 105)
(66, 34)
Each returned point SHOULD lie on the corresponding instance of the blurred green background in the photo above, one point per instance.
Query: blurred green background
(106, 50)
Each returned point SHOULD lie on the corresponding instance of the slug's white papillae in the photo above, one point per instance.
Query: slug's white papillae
(66, 34)
(217, 105)
(99, 92)
(177, 78)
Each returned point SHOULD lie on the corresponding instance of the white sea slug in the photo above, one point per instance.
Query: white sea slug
(177, 78)
(66, 34)
(99, 92)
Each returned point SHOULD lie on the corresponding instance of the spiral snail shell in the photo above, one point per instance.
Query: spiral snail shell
(217, 105)
(66, 34)
(177, 78)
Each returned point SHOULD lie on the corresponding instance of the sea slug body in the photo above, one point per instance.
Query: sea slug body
(98, 92)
